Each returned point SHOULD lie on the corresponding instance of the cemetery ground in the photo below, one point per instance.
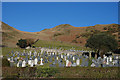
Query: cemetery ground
(45, 71)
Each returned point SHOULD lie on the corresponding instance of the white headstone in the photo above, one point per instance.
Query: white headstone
(53, 53)
(67, 62)
(65, 58)
(93, 65)
(61, 56)
(18, 64)
(31, 65)
(8, 59)
(23, 64)
(41, 63)
(107, 61)
(30, 53)
(73, 58)
(110, 59)
(117, 57)
(68, 54)
(29, 62)
(38, 54)
(36, 61)
(78, 62)
(57, 58)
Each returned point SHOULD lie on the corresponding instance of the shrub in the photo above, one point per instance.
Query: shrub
(77, 36)
(23, 43)
(46, 72)
(74, 41)
(57, 34)
(105, 28)
(5, 62)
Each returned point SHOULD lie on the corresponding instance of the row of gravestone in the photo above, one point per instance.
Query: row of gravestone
(69, 60)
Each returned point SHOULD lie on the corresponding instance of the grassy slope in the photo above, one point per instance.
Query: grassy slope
(58, 44)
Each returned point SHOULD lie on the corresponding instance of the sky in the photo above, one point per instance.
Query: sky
(36, 16)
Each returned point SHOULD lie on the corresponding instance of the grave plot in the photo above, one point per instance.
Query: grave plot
(52, 58)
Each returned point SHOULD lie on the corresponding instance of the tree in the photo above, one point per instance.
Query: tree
(102, 43)
(29, 42)
(22, 43)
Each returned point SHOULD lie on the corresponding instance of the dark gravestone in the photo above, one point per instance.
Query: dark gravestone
(93, 60)
(93, 54)
(72, 62)
(104, 65)
(60, 64)
(74, 65)
(26, 60)
(20, 63)
(83, 62)
(96, 65)
(50, 59)
(11, 64)
(51, 65)
(46, 61)
(86, 63)
(56, 61)
(85, 53)
(80, 57)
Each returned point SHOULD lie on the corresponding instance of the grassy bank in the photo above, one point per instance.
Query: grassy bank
(71, 72)
(58, 44)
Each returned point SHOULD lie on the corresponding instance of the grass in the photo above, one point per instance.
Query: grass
(58, 44)
(88, 72)
(7, 50)
(68, 72)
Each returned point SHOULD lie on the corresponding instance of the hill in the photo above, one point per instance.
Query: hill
(64, 33)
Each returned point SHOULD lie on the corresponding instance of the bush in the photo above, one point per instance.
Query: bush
(105, 28)
(74, 41)
(57, 34)
(5, 62)
(77, 36)
(23, 43)
(46, 72)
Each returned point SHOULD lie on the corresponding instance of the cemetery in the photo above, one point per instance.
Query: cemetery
(47, 57)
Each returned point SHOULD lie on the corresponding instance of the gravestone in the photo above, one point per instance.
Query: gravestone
(110, 59)
(86, 63)
(15, 60)
(93, 65)
(73, 58)
(11, 64)
(77, 62)
(41, 63)
(67, 62)
(36, 61)
(29, 62)
(107, 61)
(8, 59)
(32, 64)
(20, 63)
(96, 65)
(74, 65)
(24, 64)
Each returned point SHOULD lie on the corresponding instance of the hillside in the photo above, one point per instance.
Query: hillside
(64, 33)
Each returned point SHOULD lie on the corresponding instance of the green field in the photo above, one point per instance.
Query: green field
(7, 50)
(58, 44)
